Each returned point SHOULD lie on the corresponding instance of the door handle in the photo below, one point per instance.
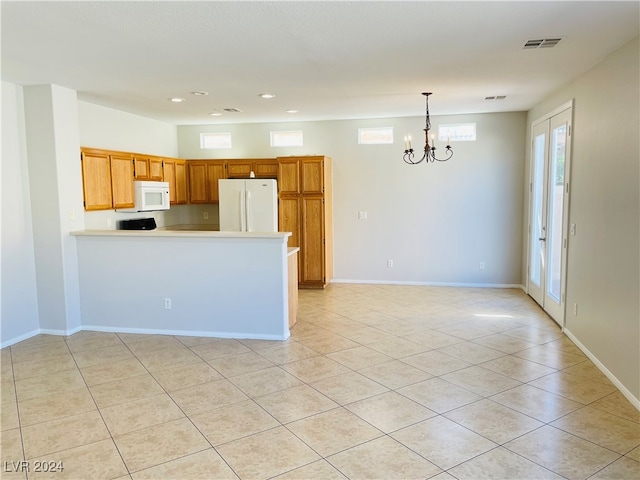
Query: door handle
(543, 238)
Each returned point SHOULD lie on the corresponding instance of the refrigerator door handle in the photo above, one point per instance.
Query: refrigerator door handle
(248, 211)
(243, 212)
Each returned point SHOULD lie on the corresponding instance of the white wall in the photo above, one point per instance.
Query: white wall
(603, 267)
(55, 184)
(437, 222)
(19, 299)
(218, 285)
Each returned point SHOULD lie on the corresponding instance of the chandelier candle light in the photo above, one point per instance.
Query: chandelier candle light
(429, 151)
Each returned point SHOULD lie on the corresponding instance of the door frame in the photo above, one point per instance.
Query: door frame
(565, 212)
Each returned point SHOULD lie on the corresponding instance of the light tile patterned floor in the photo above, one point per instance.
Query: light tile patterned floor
(376, 382)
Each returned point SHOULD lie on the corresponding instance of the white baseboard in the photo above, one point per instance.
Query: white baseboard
(48, 331)
(634, 401)
(19, 338)
(429, 284)
(40, 331)
(184, 333)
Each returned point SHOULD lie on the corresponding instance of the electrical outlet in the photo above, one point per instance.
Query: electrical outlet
(482, 265)
(572, 229)
(167, 304)
(109, 223)
(575, 309)
(362, 215)
(205, 215)
(390, 263)
(72, 215)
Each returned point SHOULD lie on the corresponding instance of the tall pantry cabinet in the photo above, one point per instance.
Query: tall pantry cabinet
(306, 210)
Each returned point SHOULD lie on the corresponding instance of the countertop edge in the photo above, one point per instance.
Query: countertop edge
(181, 233)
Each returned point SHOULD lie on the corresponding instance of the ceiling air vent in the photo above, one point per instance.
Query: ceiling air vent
(541, 43)
(232, 110)
(496, 97)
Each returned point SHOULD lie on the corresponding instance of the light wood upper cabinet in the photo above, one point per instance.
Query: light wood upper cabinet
(181, 182)
(96, 174)
(141, 168)
(266, 168)
(122, 180)
(238, 169)
(289, 176)
(107, 179)
(148, 168)
(261, 167)
(174, 171)
(215, 171)
(203, 180)
(312, 175)
(156, 172)
(305, 210)
(197, 182)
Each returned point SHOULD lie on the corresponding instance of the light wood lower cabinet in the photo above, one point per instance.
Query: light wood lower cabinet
(305, 210)
(292, 265)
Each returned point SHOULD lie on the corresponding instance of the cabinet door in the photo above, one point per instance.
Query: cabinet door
(215, 171)
(197, 182)
(181, 182)
(96, 180)
(141, 168)
(169, 175)
(288, 176)
(122, 181)
(311, 171)
(238, 169)
(312, 231)
(266, 168)
(155, 169)
(289, 219)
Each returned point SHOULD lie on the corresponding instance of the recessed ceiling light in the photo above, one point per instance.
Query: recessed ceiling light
(215, 114)
(291, 111)
(266, 95)
(177, 99)
(200, 93)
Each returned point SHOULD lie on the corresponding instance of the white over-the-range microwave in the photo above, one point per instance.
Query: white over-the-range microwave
(149, 196)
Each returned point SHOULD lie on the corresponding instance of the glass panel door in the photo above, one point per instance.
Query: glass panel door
(549, 210)
(537, 251)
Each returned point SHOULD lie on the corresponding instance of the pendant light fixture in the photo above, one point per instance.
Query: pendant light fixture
(429, 150)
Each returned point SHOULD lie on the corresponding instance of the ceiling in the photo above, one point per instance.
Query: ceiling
(328, 60)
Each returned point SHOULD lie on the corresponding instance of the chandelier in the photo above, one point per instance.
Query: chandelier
(429, 150)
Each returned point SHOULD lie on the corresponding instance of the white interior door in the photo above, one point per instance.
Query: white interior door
(548, 226)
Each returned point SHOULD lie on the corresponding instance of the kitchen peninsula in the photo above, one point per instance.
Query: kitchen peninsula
(185, 282)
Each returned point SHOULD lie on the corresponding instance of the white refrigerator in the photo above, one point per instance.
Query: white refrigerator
(248, 205)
